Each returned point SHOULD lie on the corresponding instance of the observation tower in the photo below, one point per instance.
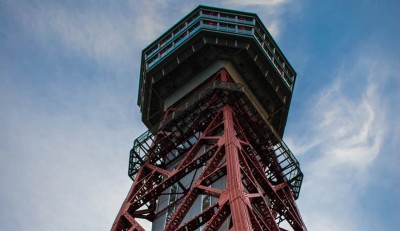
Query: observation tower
(215, 92)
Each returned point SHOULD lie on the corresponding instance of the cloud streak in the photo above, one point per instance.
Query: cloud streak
(351, 130)
(272, 12)
(258, 2)
(347, 128)
(68, 81)
(110, 35)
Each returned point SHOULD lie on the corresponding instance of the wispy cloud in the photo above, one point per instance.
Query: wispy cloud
(351, 129)
(272, 12)
(79, 31)
(109, 35)
(347, 128)
(150, 19)
(275, 28)
(258, 2)
(66, 132)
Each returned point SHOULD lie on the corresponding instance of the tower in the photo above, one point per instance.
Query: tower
(214, 91)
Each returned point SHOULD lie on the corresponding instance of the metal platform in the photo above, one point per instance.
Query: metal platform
(192, 108)
(215, 92)
(203, 37)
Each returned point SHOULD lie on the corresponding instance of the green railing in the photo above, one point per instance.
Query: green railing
(223, 22)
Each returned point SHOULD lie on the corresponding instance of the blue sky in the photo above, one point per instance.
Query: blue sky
(68, 88)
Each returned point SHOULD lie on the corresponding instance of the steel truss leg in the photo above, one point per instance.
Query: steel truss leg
(250, 201)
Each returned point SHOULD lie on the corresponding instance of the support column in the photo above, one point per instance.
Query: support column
(235, 189)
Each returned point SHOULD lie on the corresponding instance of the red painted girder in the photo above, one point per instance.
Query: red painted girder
(210, 191)
(190, 155)
(182, 210)
(194, 223)
(235, 189)
(158, 169)
(290, 214)
(191, 196)
(267, 213)
(179, 174)
(219, 216)
(125, 205)
(135, 225)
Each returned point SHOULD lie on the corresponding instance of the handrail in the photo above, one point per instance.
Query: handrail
(288, 163)
(154, 55)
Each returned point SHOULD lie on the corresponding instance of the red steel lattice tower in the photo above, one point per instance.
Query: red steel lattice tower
(215, 92)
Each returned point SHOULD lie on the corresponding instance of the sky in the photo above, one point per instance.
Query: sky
(69, 73)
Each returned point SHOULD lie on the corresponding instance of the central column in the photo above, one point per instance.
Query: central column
(235, 189)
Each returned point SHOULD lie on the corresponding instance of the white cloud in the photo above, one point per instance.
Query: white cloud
(64, 165)
(109, 35)
(271, 12)
(351, 130)
(348, 127)
(81, 31)
(258, 2)
(274, 28)
(150, 19)
(66, 156)
(66, 134)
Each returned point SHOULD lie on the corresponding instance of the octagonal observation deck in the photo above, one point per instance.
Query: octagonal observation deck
(203, 42)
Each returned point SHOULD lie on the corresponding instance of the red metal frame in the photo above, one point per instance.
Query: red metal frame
(257, 196)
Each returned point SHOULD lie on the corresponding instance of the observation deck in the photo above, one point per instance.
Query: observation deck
(206, 40)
